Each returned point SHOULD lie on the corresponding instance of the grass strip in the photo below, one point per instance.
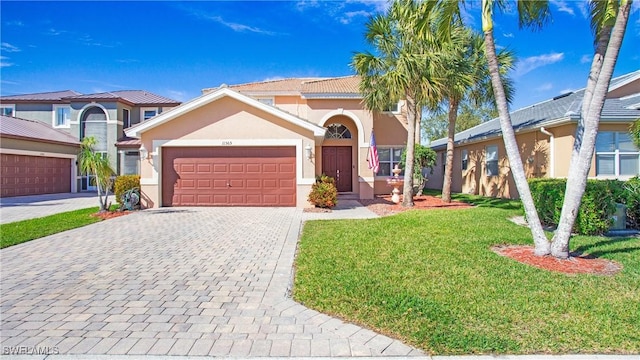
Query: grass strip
(22, 231)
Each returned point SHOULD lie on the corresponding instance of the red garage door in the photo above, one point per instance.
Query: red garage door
(242, 176)
(33, 175)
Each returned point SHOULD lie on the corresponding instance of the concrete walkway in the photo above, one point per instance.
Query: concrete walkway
(178, 281)
(35, 206)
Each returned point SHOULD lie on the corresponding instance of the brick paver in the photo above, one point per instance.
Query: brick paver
(179, 281)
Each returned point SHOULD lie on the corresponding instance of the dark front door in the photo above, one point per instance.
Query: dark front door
(336, 162)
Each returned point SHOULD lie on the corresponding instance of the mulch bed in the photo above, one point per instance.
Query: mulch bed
(111, 214)
(575, 264)
(383, 206)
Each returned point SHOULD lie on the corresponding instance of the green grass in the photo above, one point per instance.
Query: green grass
(26, 230)
(430, 278)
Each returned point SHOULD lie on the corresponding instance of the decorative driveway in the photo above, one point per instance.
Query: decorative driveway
(178, 281)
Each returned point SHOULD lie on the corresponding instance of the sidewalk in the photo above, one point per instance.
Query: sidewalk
(34, 206)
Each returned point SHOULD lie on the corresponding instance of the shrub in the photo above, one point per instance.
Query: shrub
(124, 183)
(324, 193)
(596, 210)
(632, 200)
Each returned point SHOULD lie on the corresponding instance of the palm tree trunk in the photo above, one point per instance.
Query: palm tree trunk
(577, 179)
(407, 190)
(448, 168)
(542, 246)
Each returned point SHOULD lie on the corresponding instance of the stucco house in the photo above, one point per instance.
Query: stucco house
(102, 115)
(545, 135)
(36, 158)
(264, 143)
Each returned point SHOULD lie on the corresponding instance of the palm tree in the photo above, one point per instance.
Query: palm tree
(609, 21)
(467, 78)
(402, 67)
(96, 165)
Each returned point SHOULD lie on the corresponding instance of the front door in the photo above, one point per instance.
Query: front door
(336, 162)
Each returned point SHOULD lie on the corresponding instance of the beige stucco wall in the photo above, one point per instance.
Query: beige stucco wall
(38, 146)
(292, 104)
(225, 122)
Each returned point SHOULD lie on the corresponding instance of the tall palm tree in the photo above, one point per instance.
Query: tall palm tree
(98, 167)
(403, 67)
(609, 21)
(467, 78)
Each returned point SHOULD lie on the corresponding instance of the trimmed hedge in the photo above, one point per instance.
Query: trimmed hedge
(596, 210)
(124, 183)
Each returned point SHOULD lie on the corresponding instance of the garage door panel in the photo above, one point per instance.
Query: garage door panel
(33, 175)
(257, 176)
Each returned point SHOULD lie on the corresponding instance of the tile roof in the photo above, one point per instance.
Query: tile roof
(562, 107)
(44, 96)
(35, 130)
(299, 86)
(137, 97)
(128, 142)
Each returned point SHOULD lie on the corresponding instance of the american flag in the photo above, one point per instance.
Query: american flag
(372, 156)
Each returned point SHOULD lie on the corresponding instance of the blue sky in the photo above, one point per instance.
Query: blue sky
(175, 49)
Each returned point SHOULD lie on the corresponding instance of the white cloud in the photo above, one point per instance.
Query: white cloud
(177, 95)
(6, 47)
(544, 87)
(563, 7)
(566, 91)
(14, 23)
(508, 35)
(377, 5)
(55, 32)
(238, 27)
(4, 63)
(586, 58)
(127, 61)
(583, 6)
(531, 63)
(273, 78)
(348, 16)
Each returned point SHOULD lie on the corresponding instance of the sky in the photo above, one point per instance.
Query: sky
(176, 49)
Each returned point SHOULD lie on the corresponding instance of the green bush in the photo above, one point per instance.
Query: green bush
(124, 183)
(324, 193)
(632, 200)
(596, 210)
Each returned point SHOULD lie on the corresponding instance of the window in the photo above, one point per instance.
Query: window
(337, 131)
(130, 163)
(148, 113)
(126, 118)
(62, 116)
(443, 160)
(393, 108)
(491, 155)
(8, 110)
(616, 155)
(465, 159)
(267, 101)
(389, 157)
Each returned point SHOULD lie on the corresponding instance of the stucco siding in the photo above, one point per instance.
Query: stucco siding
(37, 146)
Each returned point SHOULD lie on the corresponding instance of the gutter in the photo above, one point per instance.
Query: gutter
(552, 156)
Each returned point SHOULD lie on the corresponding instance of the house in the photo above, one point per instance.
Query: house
(264, 143)
(545, 134)
(36, 158)
(102, 115)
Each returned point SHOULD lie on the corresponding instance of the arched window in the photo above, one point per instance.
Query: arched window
(337, 131)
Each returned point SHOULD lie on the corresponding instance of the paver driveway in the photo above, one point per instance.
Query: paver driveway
(179, 281)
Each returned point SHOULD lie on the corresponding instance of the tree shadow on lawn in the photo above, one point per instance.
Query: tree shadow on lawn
(593, 250)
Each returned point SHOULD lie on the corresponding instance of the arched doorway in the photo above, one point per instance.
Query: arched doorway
(93, 122)
(339, 152)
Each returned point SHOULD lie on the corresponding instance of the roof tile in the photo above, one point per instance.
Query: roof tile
(35, 130)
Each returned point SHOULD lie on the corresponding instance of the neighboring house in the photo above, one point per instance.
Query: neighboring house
(102, 115)
(264, 143)
(545, 134)
(36, 158)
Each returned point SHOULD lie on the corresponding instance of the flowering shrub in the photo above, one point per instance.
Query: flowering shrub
(324, 193)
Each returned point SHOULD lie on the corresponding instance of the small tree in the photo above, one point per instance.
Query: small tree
(423, 158)
(97, 166)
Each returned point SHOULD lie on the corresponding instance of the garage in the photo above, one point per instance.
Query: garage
(229, 176)
(34, 175)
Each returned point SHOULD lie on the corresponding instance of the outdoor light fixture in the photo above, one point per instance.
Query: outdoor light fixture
(307, 151)
(143, 152)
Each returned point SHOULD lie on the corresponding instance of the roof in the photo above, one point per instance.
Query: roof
(137, 97)
(133, 97)
(346, 86)
(33, 130)
(128, 142)
(560, 109)
(212, 96)
(44, 96)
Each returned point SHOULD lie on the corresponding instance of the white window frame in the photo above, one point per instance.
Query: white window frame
(142, 110)
(616, 158)
(8, 106)
(67, 123)
(464, 159)
(126, 120)
(394, 108)
(271, 101)
(486, 160)
(391, 163)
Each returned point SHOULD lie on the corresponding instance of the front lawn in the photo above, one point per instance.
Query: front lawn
(430, 279)
(21, 231)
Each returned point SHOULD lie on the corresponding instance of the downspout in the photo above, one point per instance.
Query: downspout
(552, 163)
